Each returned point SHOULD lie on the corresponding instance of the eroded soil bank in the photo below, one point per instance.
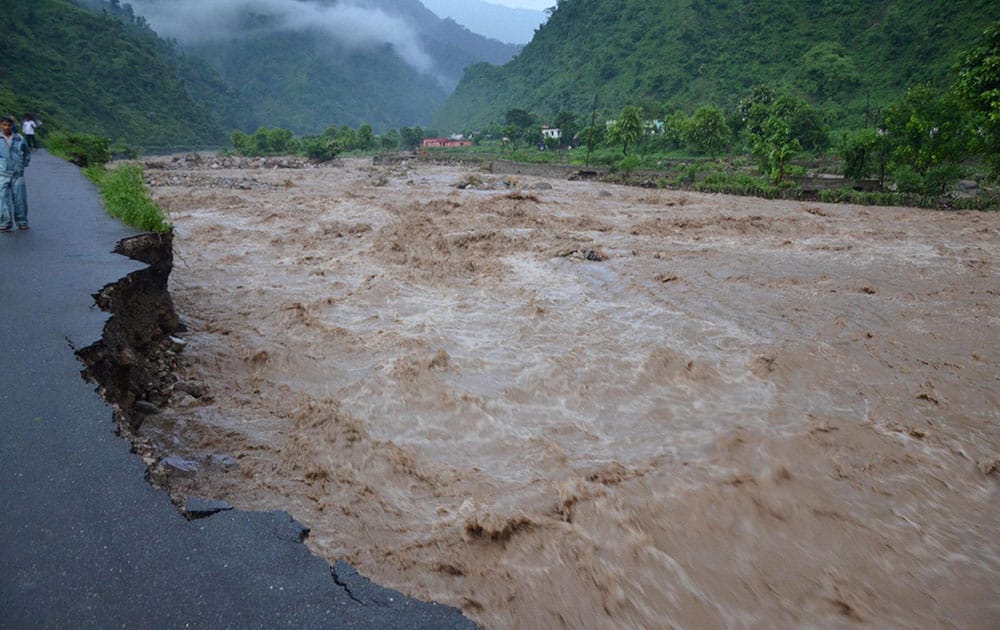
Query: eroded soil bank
(134, 363)
(569, 404)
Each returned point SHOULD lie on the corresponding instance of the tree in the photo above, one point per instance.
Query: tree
(390, 139)
(774, 145)
(518, 122)
(978, 87)
(707, 131)
(929, 134)
(411, 138)
(265, 141)
(627, 129)
(365, 137)
(675, 129)
(754, 108)
(865, 153)
(511, 136)
(533, 135)
(240, 141)
(347, 137)
(567, 125)
(805, 123)
(279, 141)
(323, 148)
(520, 118)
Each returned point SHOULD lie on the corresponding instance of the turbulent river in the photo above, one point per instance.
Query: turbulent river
(571, 404)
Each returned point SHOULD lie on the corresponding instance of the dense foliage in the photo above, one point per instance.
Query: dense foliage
(307, 80)
(978, 86)
(94, 66)
(90, 72)
(845, 58)
(328, 145)
(80, 148)
(296, 86)
(900, 92)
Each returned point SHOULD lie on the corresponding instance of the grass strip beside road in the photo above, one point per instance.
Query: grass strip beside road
(126, 197)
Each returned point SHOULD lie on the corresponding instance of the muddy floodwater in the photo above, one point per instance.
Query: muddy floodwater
(569, 404)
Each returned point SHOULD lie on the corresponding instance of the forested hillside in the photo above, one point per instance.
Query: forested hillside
(309, 65)
(847, 57)
(86, 71)
(96, 66)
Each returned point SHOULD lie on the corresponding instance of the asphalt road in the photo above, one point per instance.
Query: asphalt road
(85, 541)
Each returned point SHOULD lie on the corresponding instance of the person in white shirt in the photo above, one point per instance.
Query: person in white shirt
(28, 129)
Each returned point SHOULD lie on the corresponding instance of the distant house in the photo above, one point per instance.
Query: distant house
(551, 132)
(649, 127)
(430, 143)
(653, 127)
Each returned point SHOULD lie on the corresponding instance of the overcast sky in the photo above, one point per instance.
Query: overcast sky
(538, 5)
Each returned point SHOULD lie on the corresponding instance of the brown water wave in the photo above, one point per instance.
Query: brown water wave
(568, 404)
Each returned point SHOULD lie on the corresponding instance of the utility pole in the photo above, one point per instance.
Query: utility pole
(590, 140)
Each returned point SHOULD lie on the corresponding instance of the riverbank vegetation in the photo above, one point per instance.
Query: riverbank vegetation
(122, 187)
(126, 197)
(934, 147)
(820, 124)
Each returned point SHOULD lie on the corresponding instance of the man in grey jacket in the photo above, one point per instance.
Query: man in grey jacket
(14, 157)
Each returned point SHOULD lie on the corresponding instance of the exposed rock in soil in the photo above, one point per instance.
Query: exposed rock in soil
(134, 362)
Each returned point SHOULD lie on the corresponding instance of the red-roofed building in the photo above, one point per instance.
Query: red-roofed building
(445, 142)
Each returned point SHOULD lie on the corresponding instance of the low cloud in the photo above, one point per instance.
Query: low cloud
(194, 21)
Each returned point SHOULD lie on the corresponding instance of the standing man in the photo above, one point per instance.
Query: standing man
(28, 129)
(14, 156)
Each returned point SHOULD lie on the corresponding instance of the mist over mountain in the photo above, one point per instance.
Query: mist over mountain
(194, 22)
(491, 20)
(308, 64)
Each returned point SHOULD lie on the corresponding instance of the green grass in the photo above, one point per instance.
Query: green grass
(126, 197)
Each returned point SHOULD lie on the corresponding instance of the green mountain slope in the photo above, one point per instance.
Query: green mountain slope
(309, 65)
(308, 83)
(96, 66)
(684, 53)
(85, 71)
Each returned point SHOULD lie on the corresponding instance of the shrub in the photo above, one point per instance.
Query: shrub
(932, 182)
(689, 173)
(81, 149)
(264, 141)
(937, 178)
(737, 184)
(863, 154)
(888, 198)
(907, 179)
(322, 148)
(707, 131)
(627, 164)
